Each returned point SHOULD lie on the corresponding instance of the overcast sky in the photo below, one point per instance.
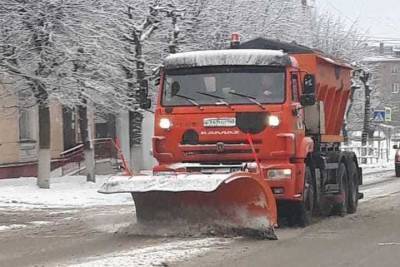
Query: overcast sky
(381, 17)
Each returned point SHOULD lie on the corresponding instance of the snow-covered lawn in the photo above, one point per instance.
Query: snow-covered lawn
(68, 191)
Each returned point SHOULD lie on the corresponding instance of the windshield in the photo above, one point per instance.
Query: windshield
(224, 85)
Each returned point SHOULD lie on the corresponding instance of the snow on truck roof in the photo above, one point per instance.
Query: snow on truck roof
(229, 57)
(271, 44)
(291, 48)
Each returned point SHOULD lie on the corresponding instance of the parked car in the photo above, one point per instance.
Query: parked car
(397, 160)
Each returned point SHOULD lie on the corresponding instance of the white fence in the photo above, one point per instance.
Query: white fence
(374, 152)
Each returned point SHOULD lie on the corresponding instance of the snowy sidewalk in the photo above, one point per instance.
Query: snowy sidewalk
(373, 173)
(68, 191)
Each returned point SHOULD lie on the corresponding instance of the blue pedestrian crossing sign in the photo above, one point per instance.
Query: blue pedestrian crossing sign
(379, 116)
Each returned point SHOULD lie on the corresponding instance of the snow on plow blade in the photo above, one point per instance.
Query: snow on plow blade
(240, 201)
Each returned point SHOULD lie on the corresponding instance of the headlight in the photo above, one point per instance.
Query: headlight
(276, 174)
(273, 121)
(165, 123)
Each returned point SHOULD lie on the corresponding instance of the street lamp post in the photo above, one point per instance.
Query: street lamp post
(364, 78)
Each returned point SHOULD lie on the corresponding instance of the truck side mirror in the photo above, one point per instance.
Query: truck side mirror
(395, 147)
(157, 81)
(308, 96)
(146, 104)
(156, 75)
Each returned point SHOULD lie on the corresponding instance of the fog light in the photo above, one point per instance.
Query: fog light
(278, 190)
(276, 174)
(165, 123)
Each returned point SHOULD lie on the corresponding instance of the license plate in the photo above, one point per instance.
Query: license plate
(219, 122)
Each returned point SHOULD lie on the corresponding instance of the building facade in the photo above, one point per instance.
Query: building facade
(385, 69)
(19, 135)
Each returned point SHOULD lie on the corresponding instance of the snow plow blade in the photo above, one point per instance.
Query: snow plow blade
(239, 201)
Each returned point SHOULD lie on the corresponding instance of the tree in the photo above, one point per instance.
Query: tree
(100, 53)
(30, 52)
(80, 66)
(38, 49)
(174, 13)
(331, 35)
(123, 30)
(210, 23)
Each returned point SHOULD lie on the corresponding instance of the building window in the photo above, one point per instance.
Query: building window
(396, 88)
(25, 125)
(395, 68)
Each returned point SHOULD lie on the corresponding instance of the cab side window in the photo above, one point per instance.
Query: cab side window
(295, 87)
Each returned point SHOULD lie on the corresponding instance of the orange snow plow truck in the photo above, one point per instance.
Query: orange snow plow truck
(244, 134)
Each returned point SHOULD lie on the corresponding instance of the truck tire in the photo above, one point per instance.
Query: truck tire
(352, 201)
(304, 210)
(342, 176)
(397, 171)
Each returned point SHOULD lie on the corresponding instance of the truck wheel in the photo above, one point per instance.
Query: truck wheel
(353, 188)
(305, 208)
(397, 171)
(341, 207)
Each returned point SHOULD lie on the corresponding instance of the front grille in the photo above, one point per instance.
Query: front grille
(220, 148)
(209, 152)
(231, 142)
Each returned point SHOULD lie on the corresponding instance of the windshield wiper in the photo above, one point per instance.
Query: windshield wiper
(250, 98)
(189, 99)
(220, 99)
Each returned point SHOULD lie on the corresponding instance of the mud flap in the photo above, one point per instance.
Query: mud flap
(239, 201)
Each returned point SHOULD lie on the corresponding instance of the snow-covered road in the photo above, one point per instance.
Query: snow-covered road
(73, 225)
(369, 238)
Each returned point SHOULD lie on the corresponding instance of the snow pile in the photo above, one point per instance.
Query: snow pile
(387, 187)
(67, 191)
(377, 167)
(165, 182)
(4, 228)
(158, 255)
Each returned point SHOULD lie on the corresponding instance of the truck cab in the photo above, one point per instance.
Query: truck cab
(275, 106)
(208, 99)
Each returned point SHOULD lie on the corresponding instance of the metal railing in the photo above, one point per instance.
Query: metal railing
(105, 149)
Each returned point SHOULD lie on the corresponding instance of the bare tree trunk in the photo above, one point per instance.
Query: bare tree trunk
(87, 144)
(173, 45)
(347, 118)
(44, 160)
(135, 129)
(136, 90)
(136, 117)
